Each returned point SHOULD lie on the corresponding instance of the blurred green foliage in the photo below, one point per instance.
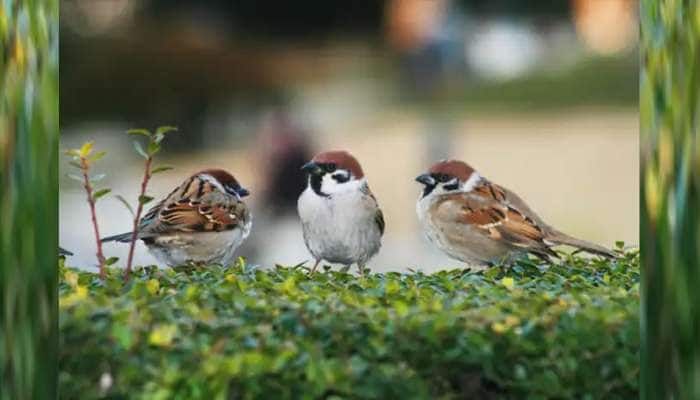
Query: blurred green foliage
(566, 330)
(29, 199)
(594, 82)
(670, 195)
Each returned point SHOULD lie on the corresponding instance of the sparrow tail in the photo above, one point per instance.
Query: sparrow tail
(564, 239)
(123, 238)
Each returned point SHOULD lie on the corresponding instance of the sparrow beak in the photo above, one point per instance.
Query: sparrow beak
(312, 168)
(242, 192)
(426, 179)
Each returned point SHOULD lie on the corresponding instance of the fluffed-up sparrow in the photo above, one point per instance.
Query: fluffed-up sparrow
(202, 221)
(340, 217)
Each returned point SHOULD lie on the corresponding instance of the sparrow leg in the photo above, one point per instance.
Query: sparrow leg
(315, 266)
(361, 269)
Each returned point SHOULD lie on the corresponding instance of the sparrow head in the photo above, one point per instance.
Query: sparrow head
(332, 172)
(224, 182)
(448, 176)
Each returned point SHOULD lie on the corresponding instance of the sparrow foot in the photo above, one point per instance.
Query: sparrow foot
(313, 270)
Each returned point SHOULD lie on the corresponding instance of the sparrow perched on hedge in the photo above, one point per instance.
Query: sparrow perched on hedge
(341, 220)
(479, 222)
(202, 221)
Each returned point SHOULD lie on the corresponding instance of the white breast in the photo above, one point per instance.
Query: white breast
(341, 228)
(200, 247)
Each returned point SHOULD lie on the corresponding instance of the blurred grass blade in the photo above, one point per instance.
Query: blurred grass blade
(29, 196)
(670, 198)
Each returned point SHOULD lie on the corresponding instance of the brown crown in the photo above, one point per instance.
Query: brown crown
(220, 175)
(342, 159)
(454, 168)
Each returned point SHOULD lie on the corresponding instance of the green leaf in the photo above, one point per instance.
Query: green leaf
(139, 149)
(86, 149)
(78, 178)
(122, 335)
(73, 152)
(97, 156)
(111, 260)
(100, 193)
(161, 169)
(162, 130)
(143, 132)
(97, 178)
(153, 148)
(143, 199)
(126, 204)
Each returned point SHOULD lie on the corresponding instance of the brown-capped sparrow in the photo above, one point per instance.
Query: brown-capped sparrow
(202, 221)
(479, 222)
(341, 220)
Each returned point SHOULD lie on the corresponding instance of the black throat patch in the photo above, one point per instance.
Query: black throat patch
(315, 181)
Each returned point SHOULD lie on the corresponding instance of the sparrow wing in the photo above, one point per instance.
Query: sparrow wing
(372, 202)
(195, 206)
(553, 236)
(379, 220)
(486, 210)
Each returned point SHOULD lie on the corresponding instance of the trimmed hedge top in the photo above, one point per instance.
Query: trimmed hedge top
(566, 330)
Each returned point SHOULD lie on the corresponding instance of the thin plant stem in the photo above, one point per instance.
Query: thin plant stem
(137, 218)
(91, 201)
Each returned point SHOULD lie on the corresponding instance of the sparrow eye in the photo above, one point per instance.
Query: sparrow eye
(441, 177)
(330, 167)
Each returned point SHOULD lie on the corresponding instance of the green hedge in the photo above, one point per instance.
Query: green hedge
(567, 330)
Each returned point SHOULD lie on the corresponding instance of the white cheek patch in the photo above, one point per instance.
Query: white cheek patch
(328, 184)
(472, 182)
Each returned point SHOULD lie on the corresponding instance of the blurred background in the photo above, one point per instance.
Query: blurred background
(29, 140)
(540, 97)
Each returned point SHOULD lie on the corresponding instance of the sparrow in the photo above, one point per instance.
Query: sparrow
(202, 221)
(340, 217)
(479, 222)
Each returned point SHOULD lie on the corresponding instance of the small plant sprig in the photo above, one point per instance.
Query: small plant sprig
(82, 159)
(152, 148)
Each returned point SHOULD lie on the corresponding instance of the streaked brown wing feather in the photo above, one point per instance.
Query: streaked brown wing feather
(197, 206)
(486, 209)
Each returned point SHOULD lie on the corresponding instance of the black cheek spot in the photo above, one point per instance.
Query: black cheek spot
(341, 178)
